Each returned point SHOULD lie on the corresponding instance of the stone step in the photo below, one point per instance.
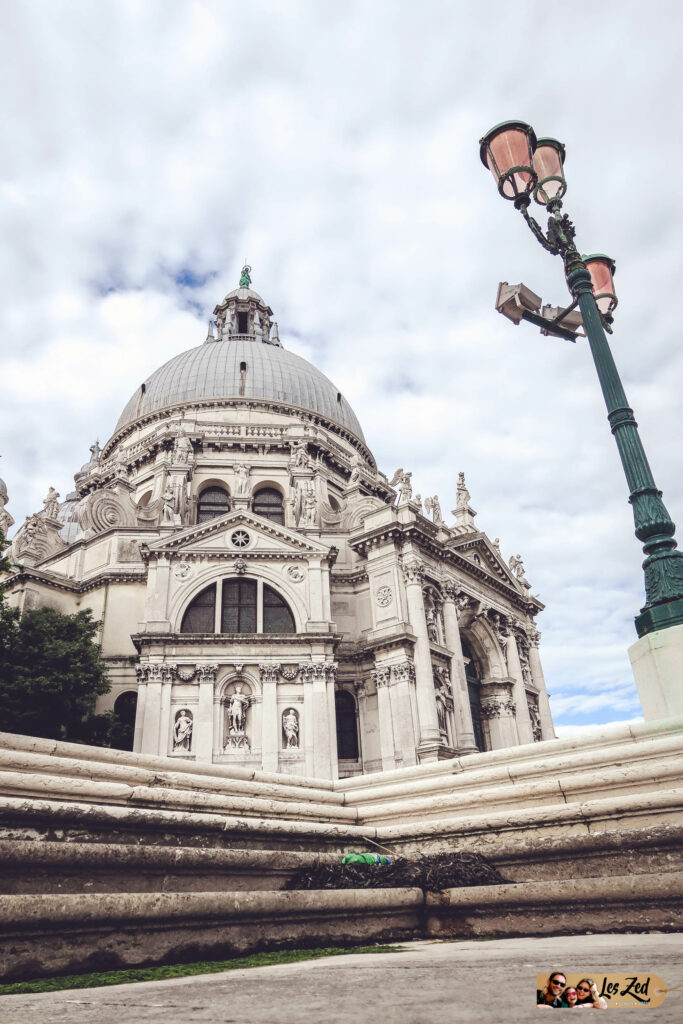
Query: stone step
(47, 935)
(71, 867)
(621, 903)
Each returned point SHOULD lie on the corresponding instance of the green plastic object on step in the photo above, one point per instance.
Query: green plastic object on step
(365, 858)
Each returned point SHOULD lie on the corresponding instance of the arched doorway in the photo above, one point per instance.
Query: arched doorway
(347, 726)
(474, 692)
(123, 727)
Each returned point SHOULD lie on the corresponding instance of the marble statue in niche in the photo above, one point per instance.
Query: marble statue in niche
(182, 730)
(290, 728)
(236, 712)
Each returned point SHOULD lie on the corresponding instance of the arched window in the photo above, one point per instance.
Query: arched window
(239, 606)
(213, 501)
(277, 617)
(347, 731)
(474, 692)
(123, 729)
(268, 503)
(200, 616)
(246, 606)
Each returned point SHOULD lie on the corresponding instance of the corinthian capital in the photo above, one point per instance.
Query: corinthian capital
(413, 571)
(380, 676)
(207, 673)
(269, 672)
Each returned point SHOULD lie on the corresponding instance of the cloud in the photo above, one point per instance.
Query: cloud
(150, 148)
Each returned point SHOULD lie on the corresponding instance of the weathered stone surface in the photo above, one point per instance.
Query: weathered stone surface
(616, 904)
(62, 934)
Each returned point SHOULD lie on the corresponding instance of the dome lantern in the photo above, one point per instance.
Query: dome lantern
(243, 314)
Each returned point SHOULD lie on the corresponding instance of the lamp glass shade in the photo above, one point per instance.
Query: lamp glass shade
(548, 164)
(507, 151)
(601, 269)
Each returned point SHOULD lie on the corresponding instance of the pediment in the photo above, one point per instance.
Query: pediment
(216, 537)
(479, 550)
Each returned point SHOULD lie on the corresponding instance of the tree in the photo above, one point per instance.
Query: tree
(51, 671)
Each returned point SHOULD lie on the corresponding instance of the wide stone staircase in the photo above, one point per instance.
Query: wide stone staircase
(110, 858)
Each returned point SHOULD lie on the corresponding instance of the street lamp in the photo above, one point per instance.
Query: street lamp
(525, 167)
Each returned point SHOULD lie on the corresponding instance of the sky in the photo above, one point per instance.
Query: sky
(148, 148)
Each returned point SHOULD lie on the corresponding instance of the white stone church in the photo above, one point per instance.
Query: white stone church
(270, 598)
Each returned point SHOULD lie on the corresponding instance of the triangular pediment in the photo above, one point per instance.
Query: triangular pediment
(479, 550)
(239, 532)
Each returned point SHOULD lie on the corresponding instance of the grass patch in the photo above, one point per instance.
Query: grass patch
(125, 977)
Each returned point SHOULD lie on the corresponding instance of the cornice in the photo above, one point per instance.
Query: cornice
(232, 640)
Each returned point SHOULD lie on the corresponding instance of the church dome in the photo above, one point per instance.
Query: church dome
(243, 362)
(215, 371)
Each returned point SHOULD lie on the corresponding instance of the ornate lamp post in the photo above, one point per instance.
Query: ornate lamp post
(525, 167)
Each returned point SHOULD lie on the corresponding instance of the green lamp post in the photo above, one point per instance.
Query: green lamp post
(524, 166)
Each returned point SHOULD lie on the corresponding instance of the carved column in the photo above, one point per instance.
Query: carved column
(315, 677)
(330, 682)
(380, 677)
(202, 737)
(151, 738)
(404, 711)
(430, 737)
(165, 744)
(519, 691)
(270, 725)
(461, 698)
(498, 714)
(362, 699)
(537, 676)
(141, 673)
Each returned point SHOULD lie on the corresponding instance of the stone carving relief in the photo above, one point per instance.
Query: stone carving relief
(51, 504)
(184, 673)
(101, 510)
(242, 471)
(296, 573)
(433, 616)
(207, 673)
(237, 705)
(403, 672)
(182, 730)
(534, 715)
(309, 511)
(269, 672)
(37, 539)
(6, 520)
(405, 486)
(463, 512)
(384, 596)
(444, 702)
(183, 452)
(299, 457)
(497, 706)
(290, 728)
(381, 676)
(183, 571)
(517, 569)
(240, 566)
(289, 672)
(413, 571)
(433, 506)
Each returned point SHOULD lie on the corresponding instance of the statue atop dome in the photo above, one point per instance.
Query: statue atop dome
(245, 279)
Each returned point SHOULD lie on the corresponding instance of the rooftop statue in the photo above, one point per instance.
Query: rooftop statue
(245, 279)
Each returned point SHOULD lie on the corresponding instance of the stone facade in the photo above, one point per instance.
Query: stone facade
(269, 598)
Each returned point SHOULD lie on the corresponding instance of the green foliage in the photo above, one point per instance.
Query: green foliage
(5, 564)
(51, 673)
(285, 956)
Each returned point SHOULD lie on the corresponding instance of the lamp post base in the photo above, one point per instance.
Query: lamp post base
(657, 663)
(660, 616)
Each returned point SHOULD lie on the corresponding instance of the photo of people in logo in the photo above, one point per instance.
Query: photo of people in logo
(560, 990)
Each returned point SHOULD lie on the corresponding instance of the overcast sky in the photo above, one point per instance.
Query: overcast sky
(148, 147)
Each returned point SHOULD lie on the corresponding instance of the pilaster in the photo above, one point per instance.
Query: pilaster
(430, 737)
(461, 702)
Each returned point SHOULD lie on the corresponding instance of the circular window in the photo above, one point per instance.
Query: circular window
(240, 538)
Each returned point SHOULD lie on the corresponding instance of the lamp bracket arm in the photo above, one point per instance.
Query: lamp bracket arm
(548, 243)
